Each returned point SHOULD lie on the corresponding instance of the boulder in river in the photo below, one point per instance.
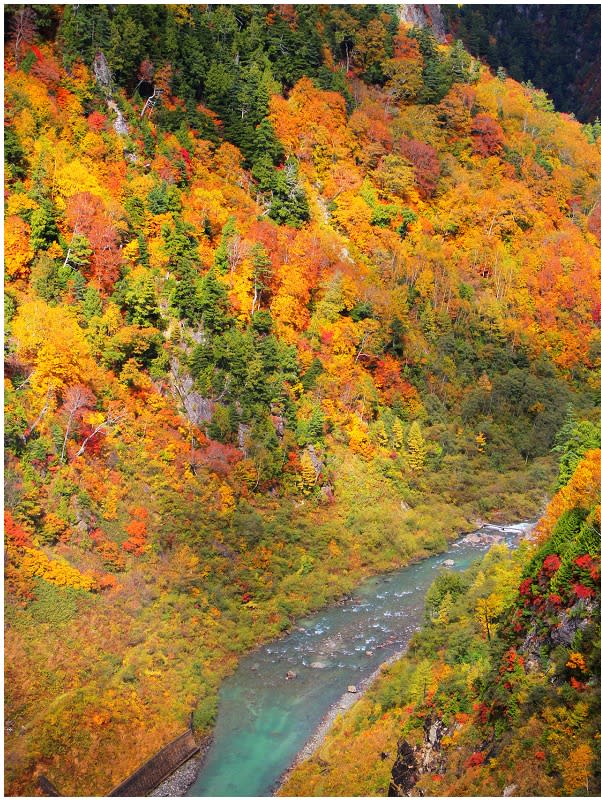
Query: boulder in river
(318, 664)
(448, 563)
(352, 689)
(369, 653)
(290, 675)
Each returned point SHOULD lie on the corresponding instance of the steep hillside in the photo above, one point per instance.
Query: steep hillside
(499, 693)
(292, 295)
(554, 46)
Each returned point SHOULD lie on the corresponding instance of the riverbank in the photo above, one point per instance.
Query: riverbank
(266, 722)
(348, 700)
(178, 783)
(341, 706)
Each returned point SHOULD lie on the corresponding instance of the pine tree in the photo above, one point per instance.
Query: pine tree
(444, 610)
(255, 386)
(315, 426)
(92, 303)
(213, 304)
(381, 435)
(143, 256)
(265, 143)
(289, 205)
(141, 302)
(85, 31)
(436, 76)
(221, 254)
(428, 321)
(186, 297)
(460, 63)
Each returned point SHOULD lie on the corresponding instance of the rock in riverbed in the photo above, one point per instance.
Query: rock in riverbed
(352, 689)
(448, 563)
(318, 664)
(290, 675)
(482, 538)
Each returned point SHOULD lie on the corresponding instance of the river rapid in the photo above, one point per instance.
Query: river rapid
(265, 719)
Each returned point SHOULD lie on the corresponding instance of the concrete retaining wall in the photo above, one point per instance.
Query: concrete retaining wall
(150, 774)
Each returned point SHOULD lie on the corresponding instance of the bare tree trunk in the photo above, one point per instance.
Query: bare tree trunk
(38, 419)
(110, 420)
(69, 421)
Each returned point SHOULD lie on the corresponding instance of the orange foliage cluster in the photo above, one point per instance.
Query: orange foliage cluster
(479, 208)
(582, 490)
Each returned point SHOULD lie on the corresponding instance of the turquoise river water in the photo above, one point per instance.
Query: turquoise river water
(264, 719)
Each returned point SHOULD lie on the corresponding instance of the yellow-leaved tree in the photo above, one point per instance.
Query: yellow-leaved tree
(50, 340)
(416, 448)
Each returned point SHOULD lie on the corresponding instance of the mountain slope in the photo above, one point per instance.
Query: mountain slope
(292, 296)
(499, 693)
(552, 46)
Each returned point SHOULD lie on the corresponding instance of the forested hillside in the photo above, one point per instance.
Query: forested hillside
(293, 295)
(499, 694)
(556, 47)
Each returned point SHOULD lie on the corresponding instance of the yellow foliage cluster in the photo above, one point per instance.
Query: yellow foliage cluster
(37, 564)
(49, 338)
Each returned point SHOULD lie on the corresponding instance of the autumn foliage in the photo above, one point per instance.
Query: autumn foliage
(292, 295)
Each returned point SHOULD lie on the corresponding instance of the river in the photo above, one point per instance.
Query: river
(264, 719)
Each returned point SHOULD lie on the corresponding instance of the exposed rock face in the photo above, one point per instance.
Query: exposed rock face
(317, 463)
(423, 16)
(243, 432)
(404, 771)
(565, 632)
(412, 762)
(120, 125)
(197, 408)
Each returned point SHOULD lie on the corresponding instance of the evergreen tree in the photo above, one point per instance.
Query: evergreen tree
(213, 304)
(221, 254)
(289, 205)
(460, 64)
(141, 303)
(158, 200)
(266, 143)
(315, 428)
(180, 246)
(186, 297)
(14, 155)
(92, 304)
(85, 30)
(143, 256)
(262, 271)
(44, 229)
(436, 76)
(79, 252)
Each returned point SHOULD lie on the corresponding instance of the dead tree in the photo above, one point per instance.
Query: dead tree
(76, 399)
(22, 30)
(113, 418)
(152, 101)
